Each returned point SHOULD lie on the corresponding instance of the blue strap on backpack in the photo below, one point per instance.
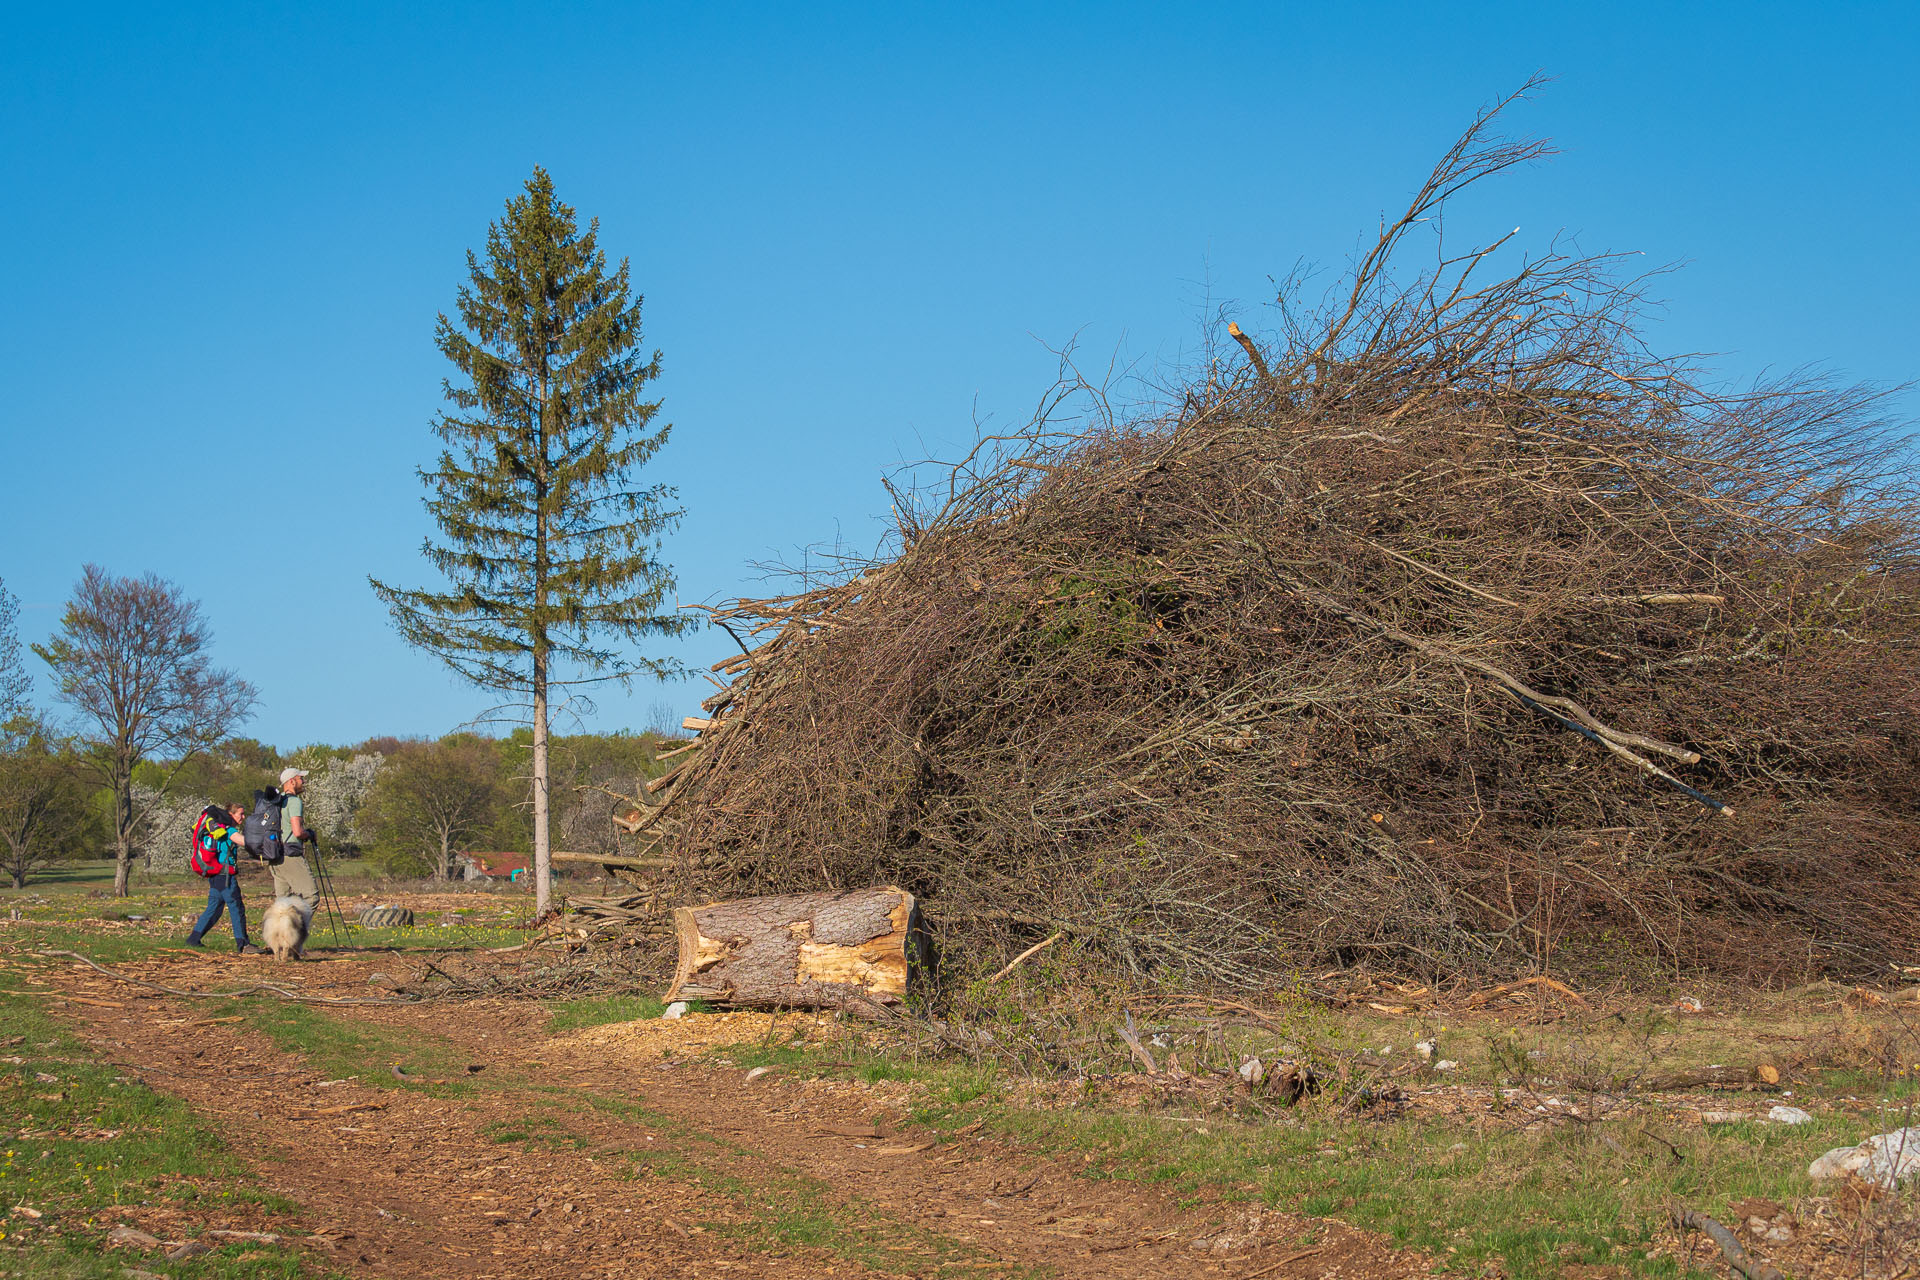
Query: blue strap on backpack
(263, 827)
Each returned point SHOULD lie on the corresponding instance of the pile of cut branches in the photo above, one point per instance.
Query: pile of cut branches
(1446, 629)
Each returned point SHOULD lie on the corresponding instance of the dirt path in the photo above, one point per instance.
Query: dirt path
(519, 1154)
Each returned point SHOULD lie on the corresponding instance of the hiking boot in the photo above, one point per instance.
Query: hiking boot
(248, 949)
(193, 940)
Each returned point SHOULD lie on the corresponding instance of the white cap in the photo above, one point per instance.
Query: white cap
(288, 775)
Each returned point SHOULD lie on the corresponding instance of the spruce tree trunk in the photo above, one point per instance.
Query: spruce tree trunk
(542, 843)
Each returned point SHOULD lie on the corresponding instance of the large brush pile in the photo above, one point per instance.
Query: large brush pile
(1451, 632)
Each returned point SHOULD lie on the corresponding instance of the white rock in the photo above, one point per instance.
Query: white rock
(1837, 1163)
(1425, 1049)
(757, 1072)
(1789, 1115)
(1253, 1071)
(124, 1236)
(1885, 1159)
(678, 1009)
(1724, 1117)
(1445, 1064)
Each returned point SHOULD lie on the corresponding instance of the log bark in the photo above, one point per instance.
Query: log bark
(845, 949)
(612, 859)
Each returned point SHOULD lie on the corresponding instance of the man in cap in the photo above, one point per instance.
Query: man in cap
(292, 878)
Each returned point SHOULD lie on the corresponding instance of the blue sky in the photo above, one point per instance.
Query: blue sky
(858, 229)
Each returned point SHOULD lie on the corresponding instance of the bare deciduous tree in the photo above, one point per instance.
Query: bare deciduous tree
(130, 657)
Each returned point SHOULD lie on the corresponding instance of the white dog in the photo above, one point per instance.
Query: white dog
(284, 928)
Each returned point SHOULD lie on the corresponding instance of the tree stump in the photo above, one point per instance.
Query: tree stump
(840, 949)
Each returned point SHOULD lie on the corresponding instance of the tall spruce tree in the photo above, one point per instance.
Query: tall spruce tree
(550, 549)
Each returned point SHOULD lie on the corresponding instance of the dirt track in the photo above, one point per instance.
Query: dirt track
(555, 1158)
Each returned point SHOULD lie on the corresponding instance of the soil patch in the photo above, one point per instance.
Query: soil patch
(622, 1150)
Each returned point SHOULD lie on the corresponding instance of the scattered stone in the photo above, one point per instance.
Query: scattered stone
(1789, 1115)
(126, 1237)
(1885, 1159)
(1253, 1071)
(678, 1009)
(1248, 1235)
(1724, 1117)
(190, 1249)
(757, 1072)
(1445, 1064)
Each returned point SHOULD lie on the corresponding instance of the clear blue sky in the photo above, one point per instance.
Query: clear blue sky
(228, 229)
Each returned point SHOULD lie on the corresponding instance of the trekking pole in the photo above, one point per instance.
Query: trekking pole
(335, 916)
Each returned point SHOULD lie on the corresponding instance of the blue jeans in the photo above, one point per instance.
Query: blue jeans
(223, 892)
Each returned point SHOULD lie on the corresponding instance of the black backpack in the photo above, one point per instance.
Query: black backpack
(263, 826)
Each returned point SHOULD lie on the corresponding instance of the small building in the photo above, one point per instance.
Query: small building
(495, 866)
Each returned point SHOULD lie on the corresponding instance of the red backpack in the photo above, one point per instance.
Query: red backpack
(209, 829)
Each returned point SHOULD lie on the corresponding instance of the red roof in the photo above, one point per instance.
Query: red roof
(501, 864)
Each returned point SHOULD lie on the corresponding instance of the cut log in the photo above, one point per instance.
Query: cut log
(840, 949)
(611, 860)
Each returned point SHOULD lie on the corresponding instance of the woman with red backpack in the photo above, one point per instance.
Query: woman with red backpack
(217, 842)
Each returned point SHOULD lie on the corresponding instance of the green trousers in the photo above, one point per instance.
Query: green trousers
(292, 878)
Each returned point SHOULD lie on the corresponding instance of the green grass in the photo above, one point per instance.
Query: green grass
(86, 1138)
(542, 1130)
(1526, 1200)
(778, 1207)
(794, 1210)
(594, 1011)
(1485, 1192)
(345, 1049)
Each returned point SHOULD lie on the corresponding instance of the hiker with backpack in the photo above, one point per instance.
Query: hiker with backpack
(277, 833)
(218, 837)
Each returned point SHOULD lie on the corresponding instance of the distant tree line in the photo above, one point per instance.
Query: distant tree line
(410, 805)
(149, 741)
